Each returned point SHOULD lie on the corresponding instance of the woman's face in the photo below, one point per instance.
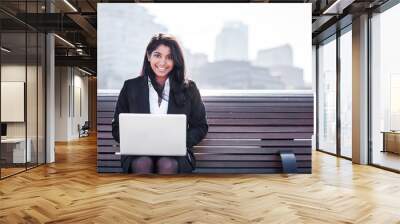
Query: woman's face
(161, 61)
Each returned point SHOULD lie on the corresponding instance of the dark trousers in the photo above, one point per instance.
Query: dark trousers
(186, 164)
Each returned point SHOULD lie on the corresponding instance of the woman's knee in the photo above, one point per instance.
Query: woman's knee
(143, 164)
(167, 165)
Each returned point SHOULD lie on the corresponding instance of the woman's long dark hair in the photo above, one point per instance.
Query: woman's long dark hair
(177, 76)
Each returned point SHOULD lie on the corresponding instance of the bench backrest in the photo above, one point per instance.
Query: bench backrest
(245, 134)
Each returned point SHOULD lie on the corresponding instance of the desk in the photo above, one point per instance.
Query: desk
(391, 141)
(15, 148)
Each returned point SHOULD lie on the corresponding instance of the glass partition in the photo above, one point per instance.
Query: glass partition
(31, 99)
(22, 87)
(13, 94)
(385, 89)
(346, 94)
(41, 91)
(327, 95)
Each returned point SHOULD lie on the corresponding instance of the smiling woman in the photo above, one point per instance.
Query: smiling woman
(162, 88)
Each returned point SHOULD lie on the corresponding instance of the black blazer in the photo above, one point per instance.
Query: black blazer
(134, 98)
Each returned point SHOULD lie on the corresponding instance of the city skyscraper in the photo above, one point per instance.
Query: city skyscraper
(232, 43)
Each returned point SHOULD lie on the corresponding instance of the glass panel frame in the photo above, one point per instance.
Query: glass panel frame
(345, 108)
(25, 62)
(385, 70)
(327, 74)
(340, 68)
(13, 79)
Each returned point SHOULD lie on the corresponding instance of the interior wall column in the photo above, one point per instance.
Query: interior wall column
(360, 90)
(50, 92)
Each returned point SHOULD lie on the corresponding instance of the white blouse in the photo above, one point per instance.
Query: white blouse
(153, 99)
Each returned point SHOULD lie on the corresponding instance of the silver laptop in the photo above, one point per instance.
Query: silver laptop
(152, 134)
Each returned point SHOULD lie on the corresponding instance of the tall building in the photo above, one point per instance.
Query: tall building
(279, 61)
(281, 55)
(235, 75)
(125, 31)
(232, 43)
(193, 61)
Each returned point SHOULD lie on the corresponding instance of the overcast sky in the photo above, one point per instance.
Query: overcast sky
(270, 25)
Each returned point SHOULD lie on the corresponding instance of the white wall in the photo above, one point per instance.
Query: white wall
(16, 73)
(71, 103)
(80, 109)
(61, 103)
(33, 126)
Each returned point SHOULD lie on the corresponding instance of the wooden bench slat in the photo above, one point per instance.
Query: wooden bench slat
(108, 156)
(218, 164)
(259, 135)
(227, 150)
(109, 169)
(101, 121)
(106, 106)
(234, 115)
(216, 157)
(104, 135)
(106, 142)
(233, 98)
(212, 142)
(104, 127)
(256, 99)
(110, 106)
(230, 121)
(109, 163)
(247, 150)
(246, 164)
(261, 129)
(104, 114)
(225, 157)
(260, 122)
(240, 129)
(212, 135)
(260, 109)
(107, 98)
(259, 115)
(258, 104)
(107, 149)
(245, 170)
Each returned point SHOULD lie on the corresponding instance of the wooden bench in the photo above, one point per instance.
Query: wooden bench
(247, 134)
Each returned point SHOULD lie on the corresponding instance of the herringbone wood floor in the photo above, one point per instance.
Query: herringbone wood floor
(70, 191)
